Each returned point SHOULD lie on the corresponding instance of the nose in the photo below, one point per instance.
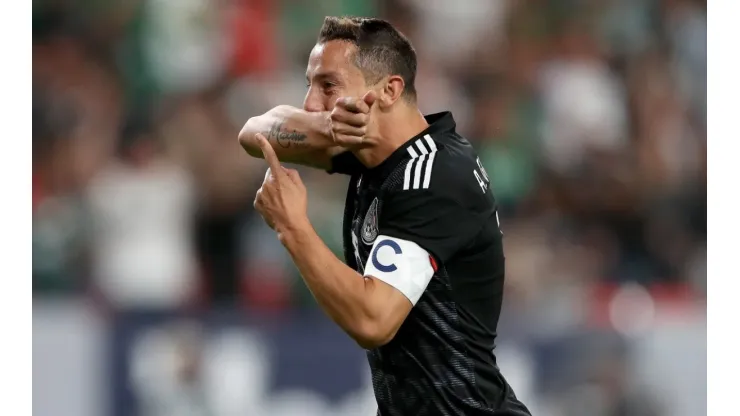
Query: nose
(312, 102)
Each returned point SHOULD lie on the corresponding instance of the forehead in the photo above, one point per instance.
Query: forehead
(333, 57)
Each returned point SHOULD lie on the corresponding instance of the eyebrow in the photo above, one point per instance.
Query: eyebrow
(323, 75)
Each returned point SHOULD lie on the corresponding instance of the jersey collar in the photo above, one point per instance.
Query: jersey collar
(439, 123)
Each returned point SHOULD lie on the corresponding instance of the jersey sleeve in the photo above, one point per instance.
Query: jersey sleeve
(346, 163)
(418, 230)
(442, 215)
(437, 223)
(423, 222)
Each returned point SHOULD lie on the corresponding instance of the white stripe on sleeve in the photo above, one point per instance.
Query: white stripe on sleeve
(407, 174)
(420, 145)
(412, 152)
(417, 171)
(428, 170)
(430, 143)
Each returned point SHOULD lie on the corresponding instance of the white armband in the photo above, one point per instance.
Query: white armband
(401, 264)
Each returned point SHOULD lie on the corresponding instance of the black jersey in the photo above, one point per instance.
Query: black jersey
(434, 193)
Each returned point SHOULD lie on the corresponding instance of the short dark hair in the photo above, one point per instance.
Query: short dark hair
(381, 49)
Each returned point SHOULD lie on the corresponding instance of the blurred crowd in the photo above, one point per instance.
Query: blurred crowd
(589, 116)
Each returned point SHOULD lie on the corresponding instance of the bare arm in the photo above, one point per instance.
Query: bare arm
(367, 309)
(297, 136)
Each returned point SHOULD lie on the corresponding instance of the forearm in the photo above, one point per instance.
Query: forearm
(297, 136)
(344, 294)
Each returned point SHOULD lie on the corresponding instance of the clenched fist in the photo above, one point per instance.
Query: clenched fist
(282, 200)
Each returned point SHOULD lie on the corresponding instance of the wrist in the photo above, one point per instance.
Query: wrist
(293, 231)
(324, 127)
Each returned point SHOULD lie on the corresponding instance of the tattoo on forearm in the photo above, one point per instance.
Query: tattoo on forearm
(285, 138)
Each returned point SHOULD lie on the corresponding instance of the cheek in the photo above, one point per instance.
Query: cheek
(356, 85)
(329, 100)
(331, 97)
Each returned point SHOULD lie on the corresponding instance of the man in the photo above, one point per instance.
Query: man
(422, 285)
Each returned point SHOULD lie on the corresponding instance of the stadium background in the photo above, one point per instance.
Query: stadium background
(159, 291)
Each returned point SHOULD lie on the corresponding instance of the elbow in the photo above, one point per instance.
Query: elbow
(265, 122)
(373, 334)
(247, 137)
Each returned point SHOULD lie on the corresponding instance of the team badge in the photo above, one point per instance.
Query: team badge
(370, 225)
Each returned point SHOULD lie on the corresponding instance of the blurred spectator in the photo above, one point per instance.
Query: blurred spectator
(199, 134)
(686, 28)
(251, 25)
(58, 215)
(585, 104)
(472, 20)
(186, 44)
(589, 117)
(142, 206)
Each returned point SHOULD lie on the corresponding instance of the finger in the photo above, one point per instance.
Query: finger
(347, 130)
(296, 178)
(353, 105)
(293, 175)
(344, 140)
(369, 98)
(343, 116)
(270, 157)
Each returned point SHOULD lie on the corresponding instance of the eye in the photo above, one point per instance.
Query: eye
(328, 86)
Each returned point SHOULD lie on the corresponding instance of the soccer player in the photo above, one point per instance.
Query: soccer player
(422, 285)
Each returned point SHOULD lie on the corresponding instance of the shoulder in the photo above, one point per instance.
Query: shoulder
(440, 167)
(434, 198)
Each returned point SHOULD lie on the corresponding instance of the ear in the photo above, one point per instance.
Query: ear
(392, 90)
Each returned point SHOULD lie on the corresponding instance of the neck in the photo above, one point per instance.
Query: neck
(395, 129)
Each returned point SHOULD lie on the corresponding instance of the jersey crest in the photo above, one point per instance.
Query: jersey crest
(370, 225)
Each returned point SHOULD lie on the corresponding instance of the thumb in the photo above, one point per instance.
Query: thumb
(370, 98)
